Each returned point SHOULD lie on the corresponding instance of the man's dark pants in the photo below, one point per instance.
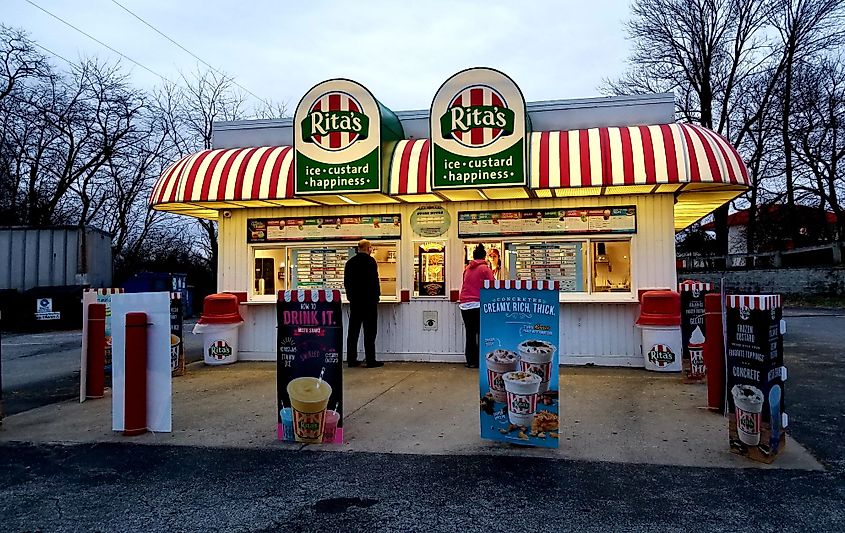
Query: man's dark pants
(366, 314)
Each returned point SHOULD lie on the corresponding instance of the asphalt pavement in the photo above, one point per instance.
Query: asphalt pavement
(43, 368)
(125, 487)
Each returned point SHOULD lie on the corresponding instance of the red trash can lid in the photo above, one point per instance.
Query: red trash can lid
(220, 309)
(660, 308)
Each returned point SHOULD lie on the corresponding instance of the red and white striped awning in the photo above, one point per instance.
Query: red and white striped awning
(698, 166)
(409, 169)
(634, 155)
(218, 179)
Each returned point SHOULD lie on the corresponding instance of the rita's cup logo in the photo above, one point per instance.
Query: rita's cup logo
(477, 116)
(661, 355)
(335, 121)
(219, 350)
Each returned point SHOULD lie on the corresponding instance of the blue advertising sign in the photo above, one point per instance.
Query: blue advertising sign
(519, 341)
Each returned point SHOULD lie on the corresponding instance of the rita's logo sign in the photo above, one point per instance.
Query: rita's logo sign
(219, 350)
(335, 121)
(661, 355)
(477, 116)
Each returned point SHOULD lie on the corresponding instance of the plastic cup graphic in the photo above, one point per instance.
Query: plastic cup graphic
(174, 352)
(499, 362)
(330, 426)
(774, 416)
(522, 391)
(696, 353)
(535, 356)
(287, 424)
(309, 398)
(749, 404)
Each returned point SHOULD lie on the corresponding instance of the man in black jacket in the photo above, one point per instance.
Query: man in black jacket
(360, 278)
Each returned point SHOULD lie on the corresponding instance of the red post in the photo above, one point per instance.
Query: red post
(96, 362)
(714, 351)
(135, 389)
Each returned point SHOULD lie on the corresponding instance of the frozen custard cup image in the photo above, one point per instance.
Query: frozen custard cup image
(174, 351)
(309, 398)
(696, 353)
(749, 404)
(535, 356)
(499, 362)
(522, 391)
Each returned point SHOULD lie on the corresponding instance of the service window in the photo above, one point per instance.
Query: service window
(495, 256)
(385, 254)
(319, 267)
(313, 267)
(269, 271)
(429, 269)
(611, 266)
(562, 261)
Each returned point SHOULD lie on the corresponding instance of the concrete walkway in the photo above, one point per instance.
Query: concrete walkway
(607, 414)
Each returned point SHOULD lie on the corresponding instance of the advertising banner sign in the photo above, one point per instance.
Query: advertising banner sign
(755, 376)
(478, 132)
(309, 373)
(519, 353)
(177, 344)
(693, 331)
(339, 130)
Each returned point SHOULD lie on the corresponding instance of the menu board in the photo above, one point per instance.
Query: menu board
(352, 228)
(561, 262)
(548, 221)
(319, 267)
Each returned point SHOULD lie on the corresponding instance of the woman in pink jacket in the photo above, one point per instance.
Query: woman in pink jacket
(474, 275)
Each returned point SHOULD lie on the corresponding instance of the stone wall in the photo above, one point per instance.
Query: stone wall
(824, 281)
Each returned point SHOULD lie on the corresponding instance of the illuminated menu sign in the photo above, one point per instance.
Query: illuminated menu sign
(547, 222)
(346, 228)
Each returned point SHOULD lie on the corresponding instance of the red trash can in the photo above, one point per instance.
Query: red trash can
(660, 322)
(219, 325)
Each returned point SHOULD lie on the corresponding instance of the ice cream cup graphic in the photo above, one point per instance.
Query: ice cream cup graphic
(330, 426)
(696, 353)
(522, 391)
(499, 362)
(748, 401)
(287, 423)
(174, 351)
(309, 397)
(536, 356)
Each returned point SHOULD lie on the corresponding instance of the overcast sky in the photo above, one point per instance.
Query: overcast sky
(401, 51)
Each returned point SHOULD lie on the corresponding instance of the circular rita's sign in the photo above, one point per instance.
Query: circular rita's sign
(477, 116)
(661, 355)
(335, 121)
(219, 350)
(478, 132)
(338, 131)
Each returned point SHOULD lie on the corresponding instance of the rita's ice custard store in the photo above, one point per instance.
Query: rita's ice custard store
(588, 193)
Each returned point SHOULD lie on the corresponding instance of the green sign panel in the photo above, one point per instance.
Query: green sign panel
(339, 132)
(478, 132)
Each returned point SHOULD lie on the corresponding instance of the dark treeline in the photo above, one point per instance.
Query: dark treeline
(80, 145)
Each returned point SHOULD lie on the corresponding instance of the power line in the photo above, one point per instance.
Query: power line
(63, 21)
(52, 52)
(185, 49)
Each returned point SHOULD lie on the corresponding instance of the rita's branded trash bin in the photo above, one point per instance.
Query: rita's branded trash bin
(660, 323)
(219, 325)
